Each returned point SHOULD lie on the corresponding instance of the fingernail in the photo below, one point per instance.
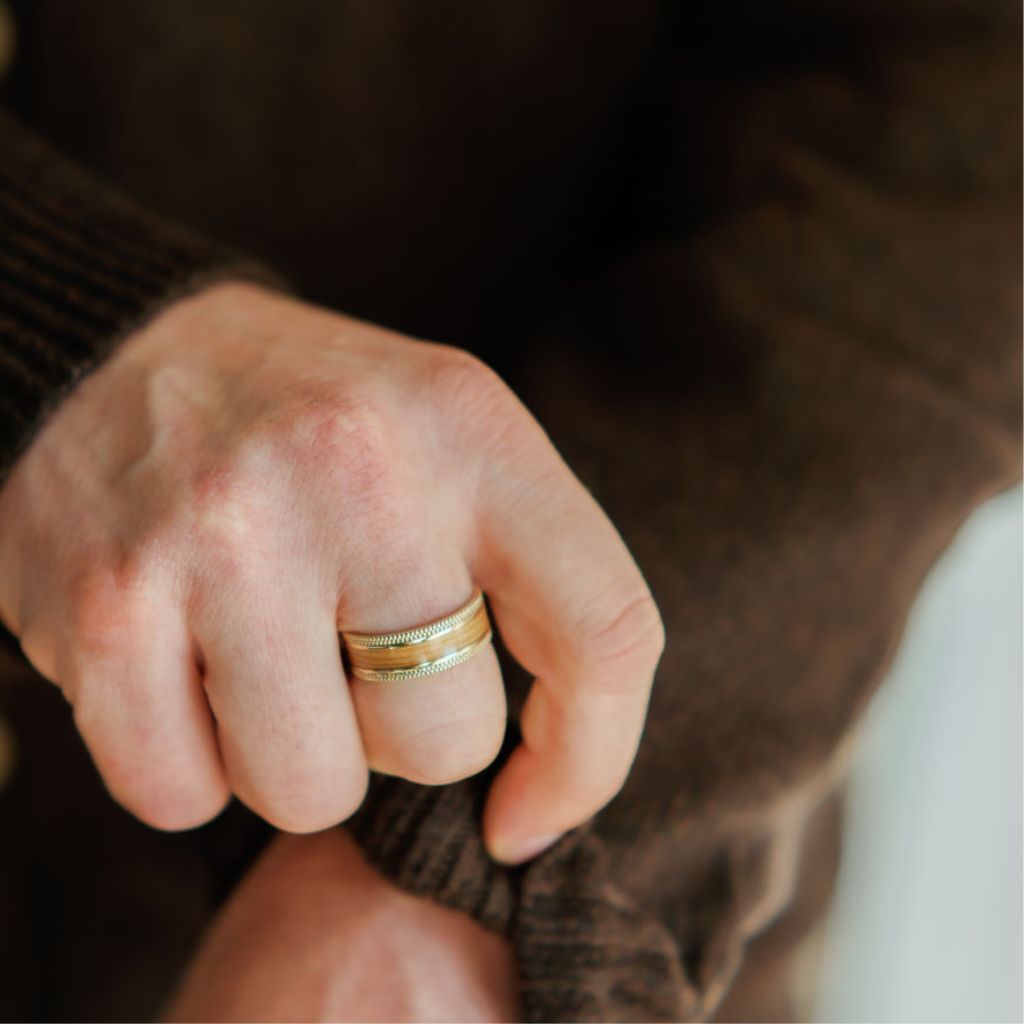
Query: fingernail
(525, 849)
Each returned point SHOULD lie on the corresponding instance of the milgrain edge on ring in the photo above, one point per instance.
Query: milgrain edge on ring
(422, 650)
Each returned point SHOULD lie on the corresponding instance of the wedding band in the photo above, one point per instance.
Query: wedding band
(422, 650)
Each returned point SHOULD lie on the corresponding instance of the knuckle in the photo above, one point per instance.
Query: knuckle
(148, 777)
(311, 801)
(343, 448)
(170, 810)
(628, 632)
(459, 379)
(345, 436)
(227, 538)
(323, 457)
(231, 527)
(474, 400)
(452, 751)
(227, 505)
(313, 436)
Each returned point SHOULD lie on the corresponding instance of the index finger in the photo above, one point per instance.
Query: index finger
(574, 610)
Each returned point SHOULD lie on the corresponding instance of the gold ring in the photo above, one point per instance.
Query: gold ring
(422, 650)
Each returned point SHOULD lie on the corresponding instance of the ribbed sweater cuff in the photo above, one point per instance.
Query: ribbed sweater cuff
(80, 268)
(583, 951)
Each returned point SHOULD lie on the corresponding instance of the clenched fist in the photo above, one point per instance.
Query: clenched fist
(246, 476)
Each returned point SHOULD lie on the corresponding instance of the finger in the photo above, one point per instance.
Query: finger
(139, 705)
(574, 610)
(274, 679)
(433, 729)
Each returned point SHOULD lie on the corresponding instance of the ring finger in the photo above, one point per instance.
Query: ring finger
(437, 727)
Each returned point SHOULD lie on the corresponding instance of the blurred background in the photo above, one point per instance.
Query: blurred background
(927, 920)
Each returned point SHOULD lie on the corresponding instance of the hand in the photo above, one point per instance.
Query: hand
(245, 475)
(313, 934)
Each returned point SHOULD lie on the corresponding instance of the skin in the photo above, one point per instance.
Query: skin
(248, 474)
(314, 934)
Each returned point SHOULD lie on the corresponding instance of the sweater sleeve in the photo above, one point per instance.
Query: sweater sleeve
(788, 389)
(80, 267)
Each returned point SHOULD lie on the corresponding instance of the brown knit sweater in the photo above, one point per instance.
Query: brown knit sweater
(755, 267)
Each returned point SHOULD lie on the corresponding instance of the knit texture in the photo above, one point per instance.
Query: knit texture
(80, 268)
